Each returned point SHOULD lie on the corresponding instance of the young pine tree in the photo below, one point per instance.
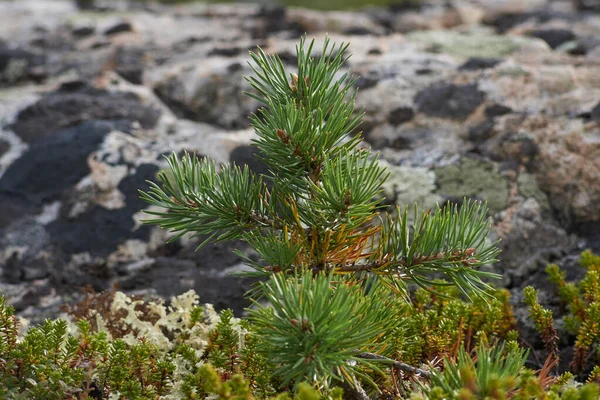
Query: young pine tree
(336, 264)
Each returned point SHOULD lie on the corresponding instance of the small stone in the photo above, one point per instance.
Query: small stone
(449, 100)
(481, 132)
(83, 31)
(4, 147)
(476, 63)
(119, 28)
(400, 115)
(595, 114)
(554, 37)
(497, 110)
(225, 51)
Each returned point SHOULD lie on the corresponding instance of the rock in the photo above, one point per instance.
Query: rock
(407, 185)
(476, 44)
(595, 114)
(477, 63)
(248, 155)
(4, 147)
(17, 65)
(111, 226)
(76, 103)
(130, 63)
(400, 115)
(226, 51)
(474, 179)
(530, 242)
(557, 90)
(569, 167)
(55, 163)
(584, 45)
(497, 110)
(586, 5)
(209, 92)
(482, 131)
(119, 28)
(169, 276)
(449, 101)
(345, 22)
(83, 31)
(515, 150)
(554, 37)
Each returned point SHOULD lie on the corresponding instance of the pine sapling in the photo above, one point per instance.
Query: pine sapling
(331, 255)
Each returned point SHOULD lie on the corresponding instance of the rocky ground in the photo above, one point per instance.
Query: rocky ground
(497, 100)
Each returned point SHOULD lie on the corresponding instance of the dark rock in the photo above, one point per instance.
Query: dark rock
(584, 45)
(400, 143)
(400, 115)
(497, 110)
(83, 31)
(476, 63)
(587, 5)
(375, 51)
(449, 100)
(595, 114)
(55, 163)
(130, 63)
(403, 6)
(33, 295)
(367, 81)
(225, 51)
(171, 277)
(17, 65)
(27, 265)
(358, 31)
(58, 41)
(289, 58)
(99, 231)
(506, 21)
(517, 150)
(247, 155)
(423, 71)
(73, 105)
(482, 131)
(554, 37)
(274, 19)
(14, 206)
(4, 147)
(119, 28)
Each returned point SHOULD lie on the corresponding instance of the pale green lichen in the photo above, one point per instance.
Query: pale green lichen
(407, 185)
(528, 188)
(472, 178)
(474, 44)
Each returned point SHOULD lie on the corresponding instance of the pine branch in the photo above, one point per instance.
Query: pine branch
(400, 365)
(197, 199)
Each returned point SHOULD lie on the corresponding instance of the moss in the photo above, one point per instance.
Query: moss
(472, 178)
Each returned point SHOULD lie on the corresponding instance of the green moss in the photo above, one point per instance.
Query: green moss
(472, 178)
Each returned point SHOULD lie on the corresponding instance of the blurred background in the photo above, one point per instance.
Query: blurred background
(314, 4)
(497, 100)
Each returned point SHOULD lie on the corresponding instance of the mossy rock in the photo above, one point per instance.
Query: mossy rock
(408, 185)
(473, 178)
(528, 188)
(475, 44)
